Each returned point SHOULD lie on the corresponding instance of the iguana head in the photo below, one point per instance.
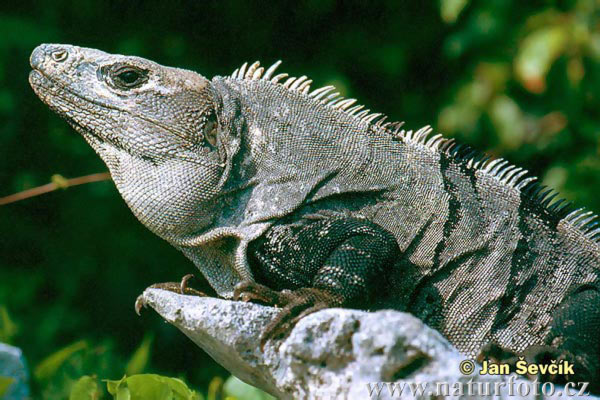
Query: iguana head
(155, 127)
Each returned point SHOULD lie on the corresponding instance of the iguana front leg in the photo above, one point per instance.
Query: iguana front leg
(308, 266)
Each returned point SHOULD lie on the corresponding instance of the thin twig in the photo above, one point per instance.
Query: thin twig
(49, 187)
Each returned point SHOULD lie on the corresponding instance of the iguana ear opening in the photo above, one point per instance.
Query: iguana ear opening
(210, 130)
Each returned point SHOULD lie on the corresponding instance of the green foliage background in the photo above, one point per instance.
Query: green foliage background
(518, 79)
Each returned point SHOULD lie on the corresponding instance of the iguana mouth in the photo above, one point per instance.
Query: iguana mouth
(45, 86)
(52, 92)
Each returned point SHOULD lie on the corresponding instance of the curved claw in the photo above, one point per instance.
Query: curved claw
(308, 311)
(139, 304)
(299, 304)
(285, 321)
(251, 291)
(183, 285)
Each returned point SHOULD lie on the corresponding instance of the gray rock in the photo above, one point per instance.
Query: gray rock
(332, 354)
(13, 366)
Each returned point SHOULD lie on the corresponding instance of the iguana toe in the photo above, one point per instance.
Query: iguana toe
(297, 304)
(183, 285)
(176, 287)
(255, 292)
(179, 287)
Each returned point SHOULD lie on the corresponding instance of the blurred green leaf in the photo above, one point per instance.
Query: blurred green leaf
(536, 55)
(242, 391)
(48, 367)
(8, 329)
(113, 385)
(556, 177)
(140, 358)
(86, 388)
(575, 70)
(458, 117)
(495, 74)
(594, 45)
(151, 387)
(5, 382)
(123, 393)
(508, 119)
(451, 9)
(215, 389)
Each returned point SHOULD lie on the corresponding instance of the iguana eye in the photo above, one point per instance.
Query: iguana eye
(128, 77)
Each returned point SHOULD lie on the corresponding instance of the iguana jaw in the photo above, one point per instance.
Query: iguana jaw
(62, 101)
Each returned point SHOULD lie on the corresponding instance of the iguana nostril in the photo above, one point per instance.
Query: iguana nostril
(37, 57)
(59, 55)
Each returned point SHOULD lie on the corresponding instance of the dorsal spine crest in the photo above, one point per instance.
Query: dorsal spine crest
(499, 169)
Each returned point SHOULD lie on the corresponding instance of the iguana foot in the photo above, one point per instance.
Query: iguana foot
(296, 304)
(176, 287)
(180, 287)
(537, 354)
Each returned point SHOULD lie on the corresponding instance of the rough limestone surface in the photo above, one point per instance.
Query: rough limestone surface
(332, 354)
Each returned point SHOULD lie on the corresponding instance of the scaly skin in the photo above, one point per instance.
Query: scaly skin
(298, 198)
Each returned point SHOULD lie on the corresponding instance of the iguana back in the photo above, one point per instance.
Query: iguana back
(494, 254)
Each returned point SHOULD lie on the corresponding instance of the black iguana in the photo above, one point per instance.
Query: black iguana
(297, 197)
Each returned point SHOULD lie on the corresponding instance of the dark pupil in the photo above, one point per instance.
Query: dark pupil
(129, 77)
